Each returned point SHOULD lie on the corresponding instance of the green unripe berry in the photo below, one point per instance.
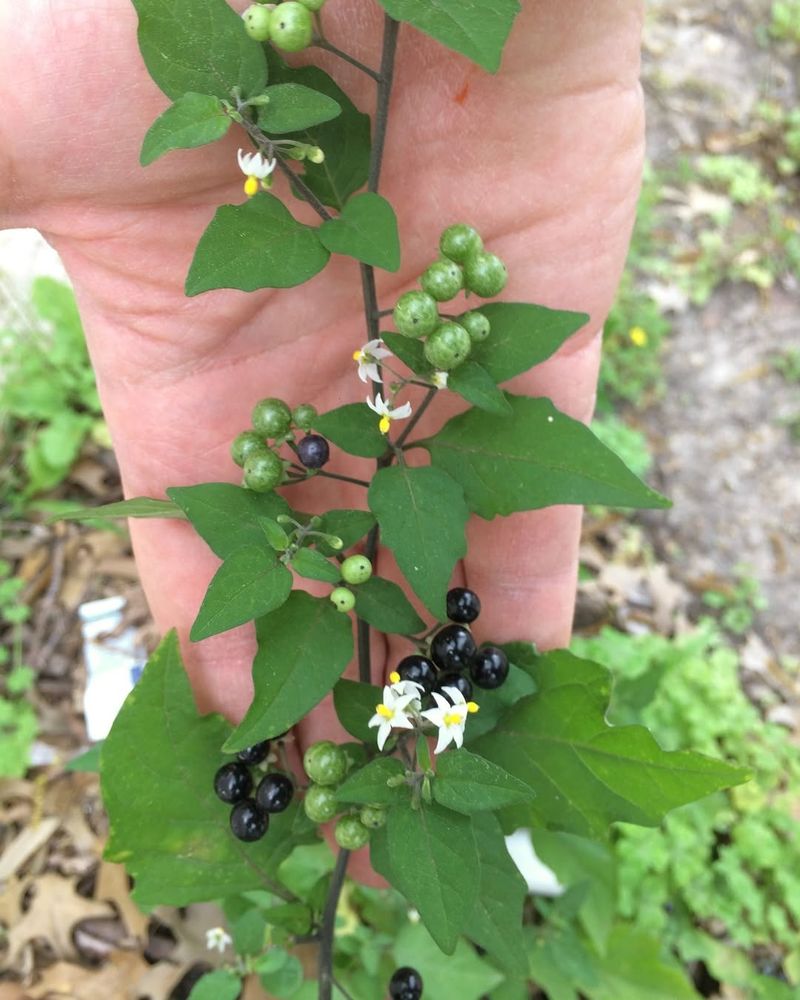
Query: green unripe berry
(263, 471)
(448, 347)
(271, 417)
(460, 241)
(320, 804)
(256, 22)
(476, 325)
(350, 833)
(290, 27)
(356, 754)
(443, 280)
(246, 444)
(313, 4)
(416, 314)
(304, 416)
(325, 763)
(373, 817)
(343, 600)
(356, 569)
(485, 274)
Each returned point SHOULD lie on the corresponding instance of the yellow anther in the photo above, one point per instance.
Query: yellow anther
(384, 425)
(638, 336)
(394, 677)
(385, 711)
(472, 707)
(358, 355)
(251, 186)
(452, 718)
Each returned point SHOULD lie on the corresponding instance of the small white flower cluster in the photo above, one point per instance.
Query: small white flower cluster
(401, 709)
(217, 939)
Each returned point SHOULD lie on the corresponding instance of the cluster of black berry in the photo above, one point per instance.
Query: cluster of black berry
(464, 266)
(454, 659)
(326, 765)
(405, 984)
(263, 468)
(288, 25)
(234, 782)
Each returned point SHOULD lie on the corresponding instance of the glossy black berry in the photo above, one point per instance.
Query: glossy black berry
(462, 605)
(232, 783)
(274, 792)
(254, 754)
(313, 451)
(405, 984)
(489, 667)
(454, 680)
(452, 647)
(248, 822)
(418, 669)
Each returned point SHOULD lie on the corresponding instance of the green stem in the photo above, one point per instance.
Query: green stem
(328, 928)
(323, 43)
(344, 479)
(423, 406)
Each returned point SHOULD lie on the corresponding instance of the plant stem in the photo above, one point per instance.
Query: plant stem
(385, 80)
(423, 406)
(328, 928)
(323, 43)
(344, 479)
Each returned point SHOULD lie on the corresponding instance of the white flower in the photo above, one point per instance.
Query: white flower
(217, 939)
(388, 413)
(449, 718)
(368, 358)
(400, 702)
(439, 379)
(257, 168)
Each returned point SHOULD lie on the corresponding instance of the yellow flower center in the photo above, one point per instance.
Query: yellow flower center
(452, 719)
(251, 186)
(472, 707)
(394, 677)
(638, 336)
(358, 355)
(384, 711)
(384, 425)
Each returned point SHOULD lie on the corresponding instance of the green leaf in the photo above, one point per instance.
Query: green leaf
(495, 703)
(292, 107)
(559, 960)
(295, 917)
(384, 605)
(193, 120)
(88, 761)
(355, 705)
(422, 515)
(353, 428)
(463, 975)
(366, 230)
(522, 336)
(274, 534)
(535, 458)
(587, 774)
(434, 863)
(135, 507)
(303, 647)
(250, 583)
(475, 29)
(217, 985)
(369, 783)
(468, 784)
(314, 566)
(349, 525)
(258, 244)
(635, 968)
(476, 385)
(410, 351)
(282, 980)
(225, 516)
(202, 49)
(166, 823)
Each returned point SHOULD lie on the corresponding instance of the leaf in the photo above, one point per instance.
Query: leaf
(274, 534)
(285, 979)
(522, 336)
(250, 583)
(355, 705)
(199, 48)
(410, 351)
(166, 823)
(314, 566)
(303, 647)
(369, 784)
(464, 975)
(585, 773)
(135, 507)
(225, 516)
(366, 230)
(422, 516)
(476, 385)
(495, 702)
(468, 784)
(434, 863)
(349, 525)
(535, 458)
(634, 968)
(217, 985)
(292, 107)
(353, 428)
(384, 605)
(258, 244)
(474, 28)
(193, 120)
(89, 760)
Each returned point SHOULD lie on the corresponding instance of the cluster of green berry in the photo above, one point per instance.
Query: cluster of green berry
(272, 420)
(327, 765)
(288, 25)
(233, 784)
(354, 570)
(463, 266)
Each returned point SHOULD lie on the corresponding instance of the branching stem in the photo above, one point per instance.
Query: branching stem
(328, 928)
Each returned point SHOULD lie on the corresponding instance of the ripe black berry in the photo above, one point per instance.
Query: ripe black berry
(313, 451)
(274, 792)
(232, 783)
(455, 680)
(462, 605)
(405, 984)
(452, 647)
(254, 754)
(248, 822)
(419, 669)
(489, 667)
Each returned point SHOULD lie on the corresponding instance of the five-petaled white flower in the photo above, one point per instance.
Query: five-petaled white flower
(388, 413)
(257, 168)
(369, 358)
(217, 939)
(449, 718)
(439, 379)
(396, 711)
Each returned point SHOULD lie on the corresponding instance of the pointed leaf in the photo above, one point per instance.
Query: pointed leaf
(369, 783)
(410, 351)
(193, 120)
(384, 605)
(353, 428)
(349, 525)
(217, 985)
(469, 783)
(314, 566)
(293, 106)
(463, 976)
(366, 230)
(476, 385)
(135, 507)
(355, 705)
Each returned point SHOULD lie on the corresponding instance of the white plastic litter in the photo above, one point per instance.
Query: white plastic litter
(542, 881)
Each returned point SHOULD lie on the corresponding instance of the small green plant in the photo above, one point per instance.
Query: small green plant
(785, 21)
(18, 724)
(737, 602)
(787, 364)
